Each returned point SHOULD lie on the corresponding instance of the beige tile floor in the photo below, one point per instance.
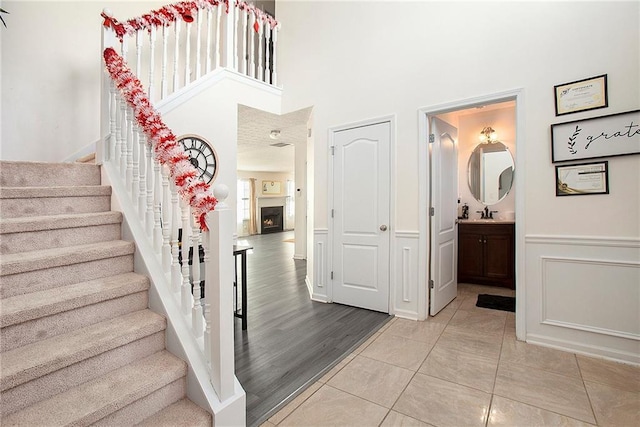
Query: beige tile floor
(464, 367)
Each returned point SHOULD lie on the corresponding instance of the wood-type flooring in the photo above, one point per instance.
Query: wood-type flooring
(290, 340)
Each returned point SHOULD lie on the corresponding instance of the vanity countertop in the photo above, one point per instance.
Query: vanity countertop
(486, 221)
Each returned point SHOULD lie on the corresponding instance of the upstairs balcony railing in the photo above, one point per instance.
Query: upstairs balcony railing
(171, 212)
(177, 44)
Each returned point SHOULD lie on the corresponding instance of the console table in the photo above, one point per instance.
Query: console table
(240, 252)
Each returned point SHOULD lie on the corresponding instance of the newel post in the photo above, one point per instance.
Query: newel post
(219, 295)
(109, 39)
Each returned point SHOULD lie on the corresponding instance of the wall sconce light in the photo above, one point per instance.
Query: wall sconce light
(274, 134)
(488, 135)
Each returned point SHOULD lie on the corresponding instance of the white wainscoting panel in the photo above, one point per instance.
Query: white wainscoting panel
(563, 277)
(404, 275)
(321, 265)
(583, 295)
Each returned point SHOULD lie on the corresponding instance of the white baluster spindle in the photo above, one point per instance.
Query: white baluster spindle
(274, 73)
(251, 35)
(113, 130)
(198, 43)
(176, 276)
(261, 31)
(135, 149)
(267, 42)
(142, 193)
(217, 11)
(243, 52)
(196, 311)
(187, 56)
(129, 149)
(157, 206)
(208, 48)
(176, 54)
(139, 52)
(236, 43)
(152, 61)
(148, 219)
(163, 73)
(185, 290)
(166, 221)
(206, 246)
(122, 157)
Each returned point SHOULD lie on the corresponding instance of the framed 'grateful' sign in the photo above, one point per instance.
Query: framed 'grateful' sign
(605, 136)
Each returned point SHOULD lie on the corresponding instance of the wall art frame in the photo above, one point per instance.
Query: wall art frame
(272, 188)
(596, 137)
(581, 95)
(582, 179)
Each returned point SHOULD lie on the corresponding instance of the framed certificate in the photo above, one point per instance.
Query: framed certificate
(586, 178)
(581, 95)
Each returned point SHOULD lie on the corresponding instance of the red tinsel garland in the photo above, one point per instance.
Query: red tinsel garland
(183, 10)
(160, 138)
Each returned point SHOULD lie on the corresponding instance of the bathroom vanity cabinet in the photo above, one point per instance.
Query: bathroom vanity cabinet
(486, 253)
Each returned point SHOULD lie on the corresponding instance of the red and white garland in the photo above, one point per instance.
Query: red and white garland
(160, 138)
(184, 10)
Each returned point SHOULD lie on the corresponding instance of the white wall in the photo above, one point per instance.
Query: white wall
(51, 65)
(360, 60)
(213, 114)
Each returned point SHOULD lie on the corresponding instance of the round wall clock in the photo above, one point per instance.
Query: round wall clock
(202, 155)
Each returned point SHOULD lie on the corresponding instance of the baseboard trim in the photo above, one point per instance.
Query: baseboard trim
(404, 314)
(585, 350)
(309, 286)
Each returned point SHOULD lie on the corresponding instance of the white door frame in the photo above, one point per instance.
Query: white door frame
(424, 188)
(391, 119)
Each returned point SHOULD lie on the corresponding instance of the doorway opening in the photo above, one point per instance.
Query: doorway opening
(272, 172)
(502, 113)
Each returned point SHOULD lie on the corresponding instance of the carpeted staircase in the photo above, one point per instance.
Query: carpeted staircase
(78, 344)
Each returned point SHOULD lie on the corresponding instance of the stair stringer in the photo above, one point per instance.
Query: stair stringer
(180, 341)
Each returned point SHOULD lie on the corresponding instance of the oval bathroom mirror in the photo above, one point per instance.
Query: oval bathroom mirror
(490, 171)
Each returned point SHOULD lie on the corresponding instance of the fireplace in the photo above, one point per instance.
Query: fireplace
(272, 219)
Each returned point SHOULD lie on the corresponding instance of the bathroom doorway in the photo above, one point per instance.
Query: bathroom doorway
(503, 114)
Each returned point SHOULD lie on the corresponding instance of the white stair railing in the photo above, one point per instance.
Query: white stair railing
(171, 59)
(175, 213)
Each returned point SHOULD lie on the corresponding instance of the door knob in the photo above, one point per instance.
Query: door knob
(383, 227)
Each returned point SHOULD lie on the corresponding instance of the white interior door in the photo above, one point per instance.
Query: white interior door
(361, 217)
(444, 193)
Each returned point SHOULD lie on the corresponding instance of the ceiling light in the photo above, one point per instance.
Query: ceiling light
(274, 134)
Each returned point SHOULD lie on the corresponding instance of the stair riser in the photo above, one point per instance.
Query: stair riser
(30, 174)
(146, 406)
(40, 206)
(46, 239)
(32, 281)
(46, 327)
(79, 348)
(59, 381)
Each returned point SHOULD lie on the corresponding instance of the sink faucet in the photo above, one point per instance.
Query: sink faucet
(486, 213)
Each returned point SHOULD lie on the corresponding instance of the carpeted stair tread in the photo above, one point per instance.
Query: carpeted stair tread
(55, 222)
(96, 399)
(29, 174)
(37, 260)
(49, 192)
(22, 308)
(183, 413)
(34, 360)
